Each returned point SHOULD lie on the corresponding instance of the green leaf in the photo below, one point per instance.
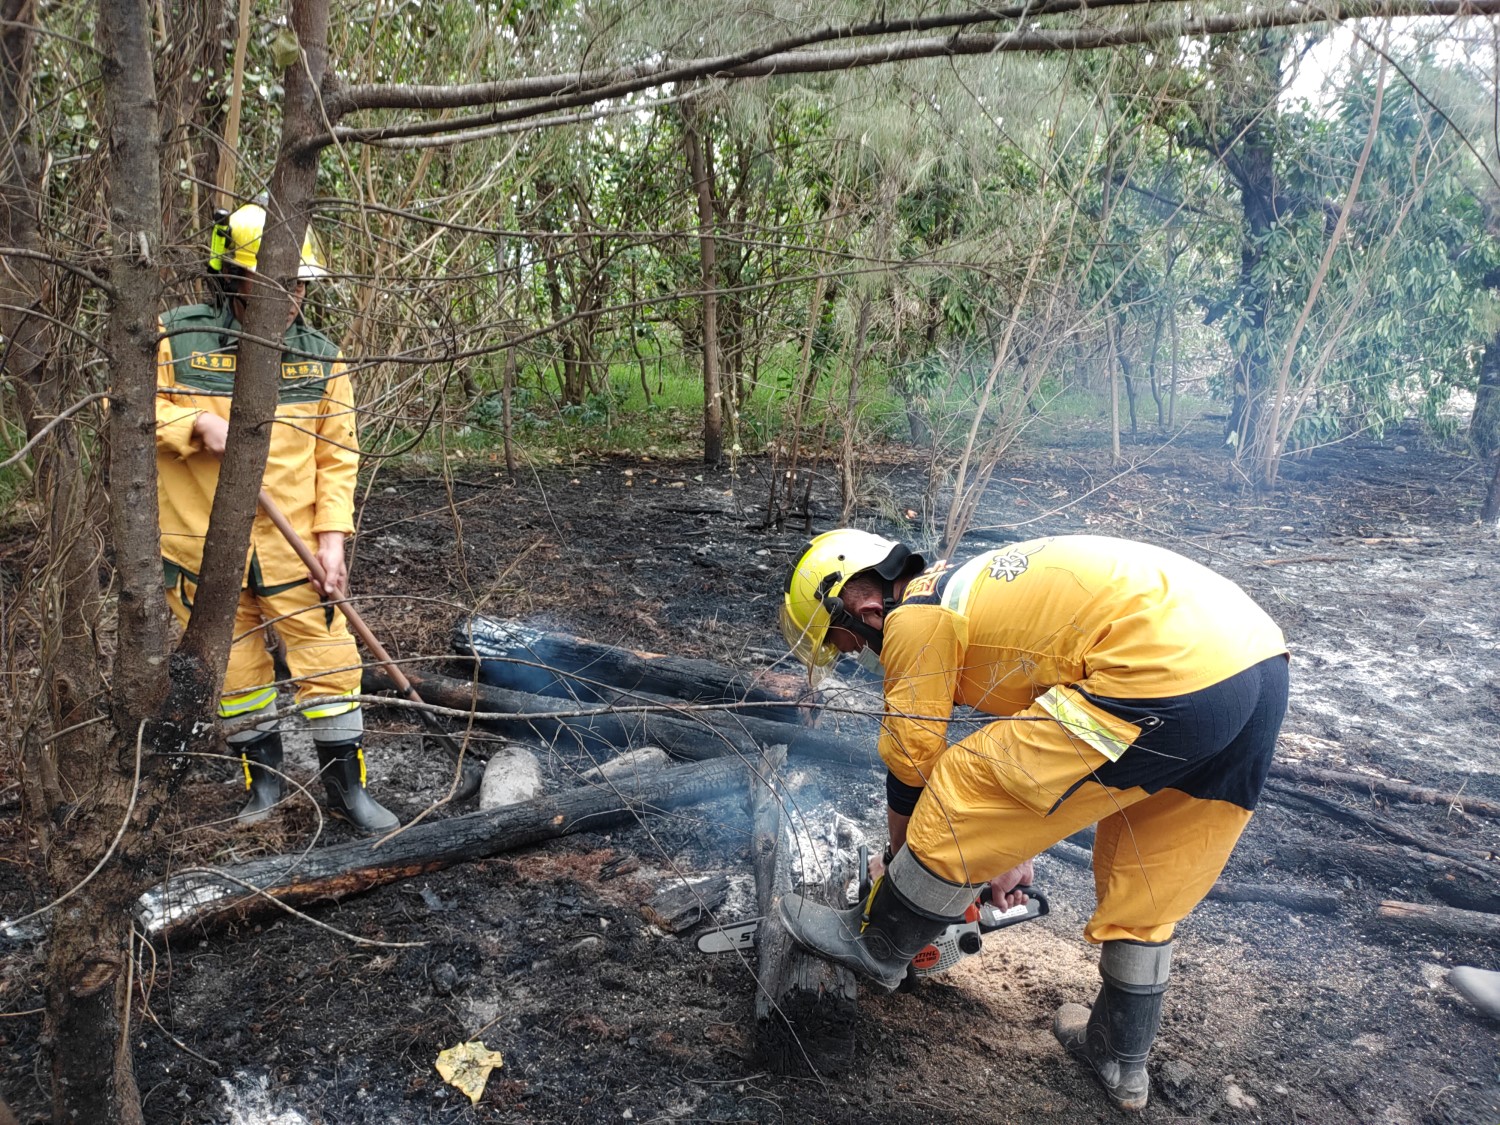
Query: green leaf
(284, 48)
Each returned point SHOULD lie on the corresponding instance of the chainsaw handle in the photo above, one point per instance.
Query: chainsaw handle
(1036, 905)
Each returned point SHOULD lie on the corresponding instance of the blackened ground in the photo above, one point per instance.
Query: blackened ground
(1368, 555)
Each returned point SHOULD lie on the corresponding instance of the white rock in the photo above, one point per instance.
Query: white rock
(632, 763)
(1433, 975)
(512, 776)
(1238, 1099)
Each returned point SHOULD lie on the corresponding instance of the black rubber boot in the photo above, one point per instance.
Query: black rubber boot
(261, 760)
(343, 768)
(879, 938)
(1116, 1036)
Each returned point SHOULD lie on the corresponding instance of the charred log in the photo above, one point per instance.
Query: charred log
(1464, 858)
(202, 898)
(1382, 865)
(686, 903)
(804, 1006)
(1386, 787)
(1442, 920)
(559, 665)
(689, 732)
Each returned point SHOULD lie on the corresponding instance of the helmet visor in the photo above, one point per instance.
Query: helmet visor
(810, 643)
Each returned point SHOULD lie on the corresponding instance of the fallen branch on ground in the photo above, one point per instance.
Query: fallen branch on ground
(1388, 787)
(694, 732)
(1436, 920)
(199, 899)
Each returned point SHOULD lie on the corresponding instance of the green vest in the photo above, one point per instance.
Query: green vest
(205, 353)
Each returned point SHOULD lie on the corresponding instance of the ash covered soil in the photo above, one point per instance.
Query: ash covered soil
(1368, 555)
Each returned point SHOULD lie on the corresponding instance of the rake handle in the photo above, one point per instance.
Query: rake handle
(356, 622)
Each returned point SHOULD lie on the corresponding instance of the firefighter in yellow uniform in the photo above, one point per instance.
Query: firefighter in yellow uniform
(310, 474)
(1140, 692)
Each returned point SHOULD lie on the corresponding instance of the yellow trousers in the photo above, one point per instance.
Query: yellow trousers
(320, 653)
(1169, 809)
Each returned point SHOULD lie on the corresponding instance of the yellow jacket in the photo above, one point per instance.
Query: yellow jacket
(1115, 618)
(314, 455)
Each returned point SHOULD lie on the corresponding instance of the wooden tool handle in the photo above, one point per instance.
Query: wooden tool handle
(356, 622)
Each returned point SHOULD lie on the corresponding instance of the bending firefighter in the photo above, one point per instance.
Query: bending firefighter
(310, 475)
(1139, 691)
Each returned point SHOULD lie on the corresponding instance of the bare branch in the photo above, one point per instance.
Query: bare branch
(556, 93)
(45, 430)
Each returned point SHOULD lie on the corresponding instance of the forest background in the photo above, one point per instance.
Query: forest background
(783, 231)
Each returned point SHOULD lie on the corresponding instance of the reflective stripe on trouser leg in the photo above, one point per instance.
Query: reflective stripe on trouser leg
(321, 657)
(257, 701)
(249, 678)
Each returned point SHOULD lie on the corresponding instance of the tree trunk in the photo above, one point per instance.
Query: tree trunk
(1484, 423)
(204, 650)
(89, 955)
(1114, 394)
(1490, 513)
(1253, 168)
(713, 395)
(1172, 394)
(849, 451)
(1161, 417)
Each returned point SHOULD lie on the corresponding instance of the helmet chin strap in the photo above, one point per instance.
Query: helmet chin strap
(841, 618)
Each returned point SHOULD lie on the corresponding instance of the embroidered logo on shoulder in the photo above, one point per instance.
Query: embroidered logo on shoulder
(1009, 565)
(212, 361)
(925, 584)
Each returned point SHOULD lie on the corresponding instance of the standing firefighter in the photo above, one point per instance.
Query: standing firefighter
(310, 474)
(1142, 693)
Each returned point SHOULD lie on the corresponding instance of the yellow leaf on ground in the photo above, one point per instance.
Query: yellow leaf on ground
(468, 1067)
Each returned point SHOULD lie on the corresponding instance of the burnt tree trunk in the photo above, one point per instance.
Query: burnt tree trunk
(804, 1006)
(26, 341)
(105, 833)
(1490, 513)
(204, 650)
(1243, 137)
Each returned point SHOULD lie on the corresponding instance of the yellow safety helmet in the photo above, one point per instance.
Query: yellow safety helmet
(811, 605)
(236, 240)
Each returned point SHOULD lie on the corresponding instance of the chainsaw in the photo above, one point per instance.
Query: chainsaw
(959, 940)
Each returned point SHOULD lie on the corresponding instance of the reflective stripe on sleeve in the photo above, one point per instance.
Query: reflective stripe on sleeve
(1076, 720)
